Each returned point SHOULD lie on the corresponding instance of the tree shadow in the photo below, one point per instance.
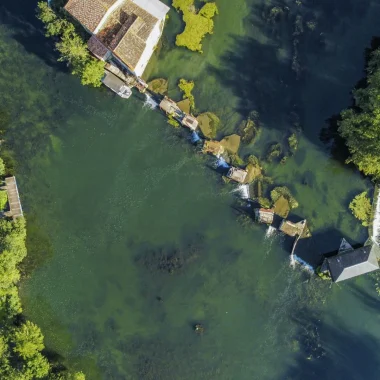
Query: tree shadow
(271, 71)
(20, 17)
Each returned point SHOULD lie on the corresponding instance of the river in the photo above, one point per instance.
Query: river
(109, 189)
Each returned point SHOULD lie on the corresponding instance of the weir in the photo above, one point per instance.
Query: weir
(374, 230)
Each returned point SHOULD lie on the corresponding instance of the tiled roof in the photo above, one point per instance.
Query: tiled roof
(131, 46)
(89, 12)
(354, 263)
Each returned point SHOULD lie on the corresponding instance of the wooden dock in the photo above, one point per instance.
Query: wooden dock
(13, 198)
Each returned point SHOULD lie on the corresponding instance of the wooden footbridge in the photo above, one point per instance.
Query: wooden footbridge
(13, 198)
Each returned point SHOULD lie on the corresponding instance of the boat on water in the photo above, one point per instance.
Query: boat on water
(117, 85)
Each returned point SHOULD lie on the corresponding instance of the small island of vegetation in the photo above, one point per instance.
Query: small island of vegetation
(198, 24)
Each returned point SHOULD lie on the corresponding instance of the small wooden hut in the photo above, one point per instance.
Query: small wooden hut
(190, 121)
(264, 215)
(292, 229)
(237, 174)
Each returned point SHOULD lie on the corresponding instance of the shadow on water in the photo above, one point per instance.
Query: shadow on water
(20, 16)
(331, 352)
(270, 71)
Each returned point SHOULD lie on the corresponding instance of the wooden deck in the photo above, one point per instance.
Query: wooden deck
(13, 198)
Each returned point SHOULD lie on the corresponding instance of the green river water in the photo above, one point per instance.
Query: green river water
(108, 187)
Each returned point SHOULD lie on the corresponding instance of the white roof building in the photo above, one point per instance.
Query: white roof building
(128, 29)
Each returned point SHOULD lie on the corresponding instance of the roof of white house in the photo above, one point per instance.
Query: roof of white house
(154, 7)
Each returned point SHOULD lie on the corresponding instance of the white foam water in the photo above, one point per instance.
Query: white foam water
(243, 191)
(376, 221)
(150, 102)
(270, 232)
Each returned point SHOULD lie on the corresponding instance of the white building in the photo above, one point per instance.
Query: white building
(128, 30)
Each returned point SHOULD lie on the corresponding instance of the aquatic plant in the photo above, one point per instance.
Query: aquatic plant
(208, 124)
(198, 24)
(236, 160)
(264, 202)
(361, 208)
(172, 121)
(72, 48)
(159, 85)
(249, 130)
(274, 151)
(293, 143)
(277, 192)
(187, 87)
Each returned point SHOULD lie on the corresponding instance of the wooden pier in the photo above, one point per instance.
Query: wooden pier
(13, 198)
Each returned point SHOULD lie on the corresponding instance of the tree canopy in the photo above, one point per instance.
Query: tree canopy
(198, 24)
(361, 208)
(360, 125)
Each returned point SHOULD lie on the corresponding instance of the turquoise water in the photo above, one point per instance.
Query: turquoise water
(112, 192)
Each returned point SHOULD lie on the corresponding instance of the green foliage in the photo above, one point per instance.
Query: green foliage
(236, 160)
(73, 50)
(249, 129)
(28, 340)
(91, 72)
(2, 167)
(253, 160)
(3, 199)
(173, 122)
(361, 208)
(197, 24)
(277, 192)
(360, 125)
(264, 202)
(187, 87)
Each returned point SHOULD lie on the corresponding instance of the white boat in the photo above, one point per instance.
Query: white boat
(116, 85)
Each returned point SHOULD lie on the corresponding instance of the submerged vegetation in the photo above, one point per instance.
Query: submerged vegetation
(360, 124)
(250, 129)
(73, 50)
(208, 124)
(198, 24)
(283, 191)
(274, 152)
(361, 207)
(159, 85)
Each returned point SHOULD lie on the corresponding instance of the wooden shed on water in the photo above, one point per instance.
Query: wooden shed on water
(264, 215)
(190, 121)
(170, 107)
(237, 174)
(293, 229)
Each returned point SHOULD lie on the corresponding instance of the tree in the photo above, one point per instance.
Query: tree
(3, 199)
(36, 367)
(360, 125)
(73, 50)
(361, 208)
(28, 340)
(2, 167)
(92, 73)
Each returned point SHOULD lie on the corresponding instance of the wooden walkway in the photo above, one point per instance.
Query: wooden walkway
(13, 198)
